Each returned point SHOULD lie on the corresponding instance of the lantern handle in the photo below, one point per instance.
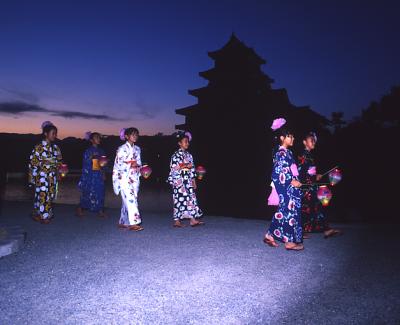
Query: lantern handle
(314, 184)
(329, 171)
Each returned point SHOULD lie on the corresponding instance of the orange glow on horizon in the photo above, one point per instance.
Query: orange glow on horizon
(78, 127)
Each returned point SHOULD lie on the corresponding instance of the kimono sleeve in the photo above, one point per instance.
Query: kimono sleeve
(193, 173)
(34, 165)
(119, 169)
(139, 156)
(86, 167)
(281, 173)
(58, 153)
(174, 174)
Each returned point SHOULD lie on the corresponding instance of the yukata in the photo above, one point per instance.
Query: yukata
(43, 173)
(126, 180)
(286, 222)
(91, 182)
(184, 196)
(313, 218)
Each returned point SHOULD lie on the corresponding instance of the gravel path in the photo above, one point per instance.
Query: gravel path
(89, 272)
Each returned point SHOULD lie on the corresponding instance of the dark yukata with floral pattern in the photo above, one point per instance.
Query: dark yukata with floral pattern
(44, 162)
(286, 222)
(313, 218)
(184, 196)
(91, 183)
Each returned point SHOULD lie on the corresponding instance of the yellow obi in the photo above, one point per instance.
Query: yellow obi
(95, 164)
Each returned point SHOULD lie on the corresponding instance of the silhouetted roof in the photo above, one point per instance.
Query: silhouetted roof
(198, 91)
(187, 109)
(235, 45)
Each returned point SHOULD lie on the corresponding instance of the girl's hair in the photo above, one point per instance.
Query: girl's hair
(47, 128)
(281, 132)
(94, 134)
(180, 135)
(90, 135)
(130, 131)
(310, 134)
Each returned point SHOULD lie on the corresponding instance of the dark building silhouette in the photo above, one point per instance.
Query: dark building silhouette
(231, 129)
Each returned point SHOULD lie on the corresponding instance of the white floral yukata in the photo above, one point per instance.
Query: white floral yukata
(184, 196)
(126, 180)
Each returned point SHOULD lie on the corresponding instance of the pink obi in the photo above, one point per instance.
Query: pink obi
(294, 170)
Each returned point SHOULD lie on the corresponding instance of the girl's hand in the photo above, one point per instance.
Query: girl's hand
(185, 166)
(133, 164)
(296, 183)
(319, 176)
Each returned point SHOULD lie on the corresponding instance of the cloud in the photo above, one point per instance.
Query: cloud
(17, 108)
(20, 95)
(72, 114)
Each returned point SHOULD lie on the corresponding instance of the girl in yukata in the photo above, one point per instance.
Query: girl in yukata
(92, 180)
(182, 177)
(126, 179)
(312, 216)
(44, 162)
(286, 222)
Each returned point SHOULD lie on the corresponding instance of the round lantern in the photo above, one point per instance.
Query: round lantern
(324, 194)
(103, 161)
(145, 171)
(200, 171)
(335, 176)
(63, 170)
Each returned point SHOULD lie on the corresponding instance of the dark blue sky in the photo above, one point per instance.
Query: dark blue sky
(131, 62)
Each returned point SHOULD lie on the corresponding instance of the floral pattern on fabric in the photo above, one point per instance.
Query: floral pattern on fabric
(184, 196)
(126, 181)
(313, 218)
(286, 222)
(43, 172)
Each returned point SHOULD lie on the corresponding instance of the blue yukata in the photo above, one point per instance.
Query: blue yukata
(91, 183)
(286, 222)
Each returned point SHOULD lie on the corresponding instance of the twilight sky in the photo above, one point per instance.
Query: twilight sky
(103, 65)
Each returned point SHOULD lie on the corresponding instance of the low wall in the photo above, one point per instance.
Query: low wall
(153, 196)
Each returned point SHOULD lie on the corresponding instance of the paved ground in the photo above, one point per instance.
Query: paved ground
(89, 272)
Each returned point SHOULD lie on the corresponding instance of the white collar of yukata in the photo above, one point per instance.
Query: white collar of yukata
(46, 143)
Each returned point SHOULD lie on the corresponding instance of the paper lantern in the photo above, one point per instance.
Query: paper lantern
(145, 171)
(324, 194)
(200, 171)
(103, 160)
(63, 170)
(335, 176)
